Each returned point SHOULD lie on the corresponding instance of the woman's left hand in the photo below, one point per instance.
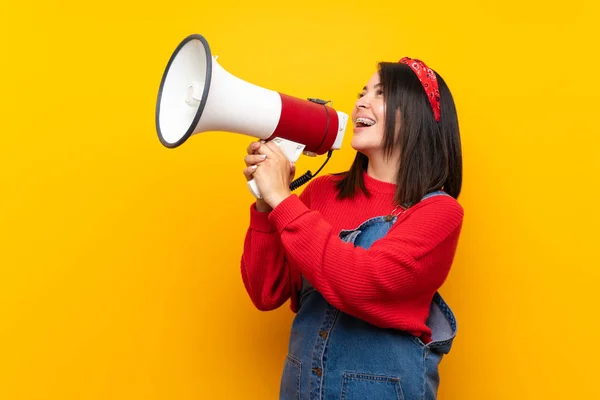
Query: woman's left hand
(273, 175)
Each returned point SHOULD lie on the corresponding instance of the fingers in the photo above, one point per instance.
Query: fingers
(264, 148)
(270, 149)
(248, 172)
(252, 159)
(259, 152)
(253, 147)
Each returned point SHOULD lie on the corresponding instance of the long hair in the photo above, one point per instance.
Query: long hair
(430, 151)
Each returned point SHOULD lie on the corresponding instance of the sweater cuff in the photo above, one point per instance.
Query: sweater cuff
(259, 221)
(287, 211)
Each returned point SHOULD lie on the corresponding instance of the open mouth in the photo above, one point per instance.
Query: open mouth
(364, 122)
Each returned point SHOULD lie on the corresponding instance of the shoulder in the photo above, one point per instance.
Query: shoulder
(440, 203)
(433, 223)
(438, 212)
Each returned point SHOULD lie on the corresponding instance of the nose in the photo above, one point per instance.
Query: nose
(362, 102)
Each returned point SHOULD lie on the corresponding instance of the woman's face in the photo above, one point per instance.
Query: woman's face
(368, 117)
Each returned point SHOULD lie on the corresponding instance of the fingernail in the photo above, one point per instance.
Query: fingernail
(253, 167)
(263, 156)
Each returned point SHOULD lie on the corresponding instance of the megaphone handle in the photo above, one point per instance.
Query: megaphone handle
(254, 189)
(292, 151)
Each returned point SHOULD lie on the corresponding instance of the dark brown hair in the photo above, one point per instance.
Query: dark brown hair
(430, 151)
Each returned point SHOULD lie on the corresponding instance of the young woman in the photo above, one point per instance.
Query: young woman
(362, 254)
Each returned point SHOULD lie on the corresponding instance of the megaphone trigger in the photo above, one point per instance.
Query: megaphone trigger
(292, 150)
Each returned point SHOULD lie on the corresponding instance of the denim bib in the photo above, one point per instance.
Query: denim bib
(334, 356)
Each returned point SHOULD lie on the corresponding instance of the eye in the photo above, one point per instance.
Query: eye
(379, 92)
(360, 95)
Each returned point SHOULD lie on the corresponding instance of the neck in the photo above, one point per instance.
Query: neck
(382, 170)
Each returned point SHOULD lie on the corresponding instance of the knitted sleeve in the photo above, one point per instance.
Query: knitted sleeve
(414, 257)
(264, 267)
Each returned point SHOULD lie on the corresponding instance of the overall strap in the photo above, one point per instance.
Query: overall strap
(435, 193)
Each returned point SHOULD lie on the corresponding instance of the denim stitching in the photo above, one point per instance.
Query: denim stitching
(298, 364)
(348, 375)
(425, 353)
(324, 353)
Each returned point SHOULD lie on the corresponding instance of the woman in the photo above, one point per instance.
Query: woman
(362, 254)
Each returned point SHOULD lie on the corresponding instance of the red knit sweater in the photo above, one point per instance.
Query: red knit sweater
(390, 285)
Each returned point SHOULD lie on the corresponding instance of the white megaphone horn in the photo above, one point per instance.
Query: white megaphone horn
(197, 95)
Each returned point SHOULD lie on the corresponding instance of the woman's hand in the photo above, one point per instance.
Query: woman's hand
(252, 160)
(272, 171)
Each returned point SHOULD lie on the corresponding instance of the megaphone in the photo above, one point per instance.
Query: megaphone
(198, 95)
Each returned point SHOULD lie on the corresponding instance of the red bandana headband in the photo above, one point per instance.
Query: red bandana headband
(428, 81)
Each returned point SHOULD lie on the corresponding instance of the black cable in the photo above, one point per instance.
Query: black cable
(308, 175)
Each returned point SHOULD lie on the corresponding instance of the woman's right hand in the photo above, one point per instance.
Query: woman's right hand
(252, 160)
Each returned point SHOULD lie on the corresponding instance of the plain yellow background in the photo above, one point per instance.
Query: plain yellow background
(119, 258)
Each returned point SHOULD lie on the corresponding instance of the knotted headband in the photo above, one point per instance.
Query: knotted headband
(428, 81)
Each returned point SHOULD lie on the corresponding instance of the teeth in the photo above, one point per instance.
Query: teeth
(365, 121)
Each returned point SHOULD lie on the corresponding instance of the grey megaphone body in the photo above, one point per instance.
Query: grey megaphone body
(197, 95)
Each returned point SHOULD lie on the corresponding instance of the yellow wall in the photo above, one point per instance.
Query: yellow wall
(120, 258)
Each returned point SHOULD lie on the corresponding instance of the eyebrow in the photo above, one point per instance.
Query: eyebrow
(374, 87)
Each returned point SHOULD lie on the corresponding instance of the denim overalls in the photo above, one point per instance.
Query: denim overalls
(334, 356)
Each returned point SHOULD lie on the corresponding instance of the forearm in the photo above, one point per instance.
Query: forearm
(414, 256)
(264, 269)
(348, 277)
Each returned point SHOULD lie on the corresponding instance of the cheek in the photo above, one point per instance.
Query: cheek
(380, 131)
(379, 110)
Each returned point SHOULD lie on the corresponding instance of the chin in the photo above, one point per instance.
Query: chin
(356, 146)
(362, 146)
(364, 151)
